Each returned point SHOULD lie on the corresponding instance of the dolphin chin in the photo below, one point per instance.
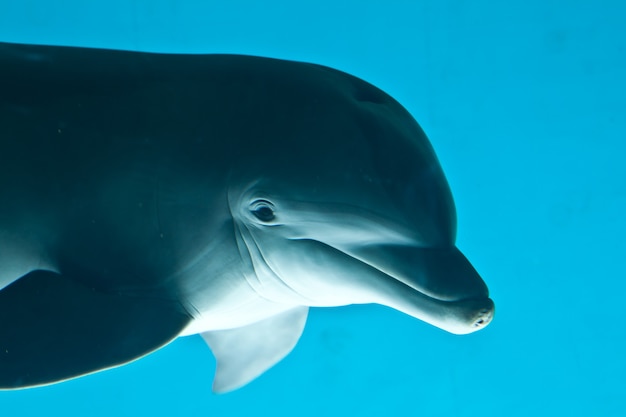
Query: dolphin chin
(146, 196)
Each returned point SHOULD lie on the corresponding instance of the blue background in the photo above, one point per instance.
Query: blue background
(525, 104)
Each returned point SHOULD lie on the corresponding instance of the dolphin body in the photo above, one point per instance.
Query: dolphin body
(147, 196)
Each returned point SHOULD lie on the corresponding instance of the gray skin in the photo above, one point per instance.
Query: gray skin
(148, 196)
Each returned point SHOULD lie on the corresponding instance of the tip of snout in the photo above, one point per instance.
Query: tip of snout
(477, 314)
(484, 315)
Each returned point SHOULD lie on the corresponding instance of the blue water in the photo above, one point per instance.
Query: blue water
(525, 104)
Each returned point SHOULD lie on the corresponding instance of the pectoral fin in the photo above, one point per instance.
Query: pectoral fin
(52, 328)
(244, 353)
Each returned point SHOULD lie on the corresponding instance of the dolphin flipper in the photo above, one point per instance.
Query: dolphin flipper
(244, 353)
(54, 328)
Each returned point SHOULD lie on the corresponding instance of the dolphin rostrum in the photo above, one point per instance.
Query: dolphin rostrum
(147, 196)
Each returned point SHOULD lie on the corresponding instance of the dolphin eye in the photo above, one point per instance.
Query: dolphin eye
(263, 210)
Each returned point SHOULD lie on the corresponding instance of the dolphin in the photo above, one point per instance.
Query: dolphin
(147, 196)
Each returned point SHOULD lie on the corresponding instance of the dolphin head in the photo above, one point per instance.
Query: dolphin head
(342, 201)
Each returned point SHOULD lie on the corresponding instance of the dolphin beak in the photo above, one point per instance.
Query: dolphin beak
(436, 285)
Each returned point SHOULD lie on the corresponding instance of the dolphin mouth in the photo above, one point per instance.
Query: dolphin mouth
(460, 316)
(436, 285)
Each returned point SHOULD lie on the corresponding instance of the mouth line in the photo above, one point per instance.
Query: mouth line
(430, 296)
(459, 315)
(427, 294)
